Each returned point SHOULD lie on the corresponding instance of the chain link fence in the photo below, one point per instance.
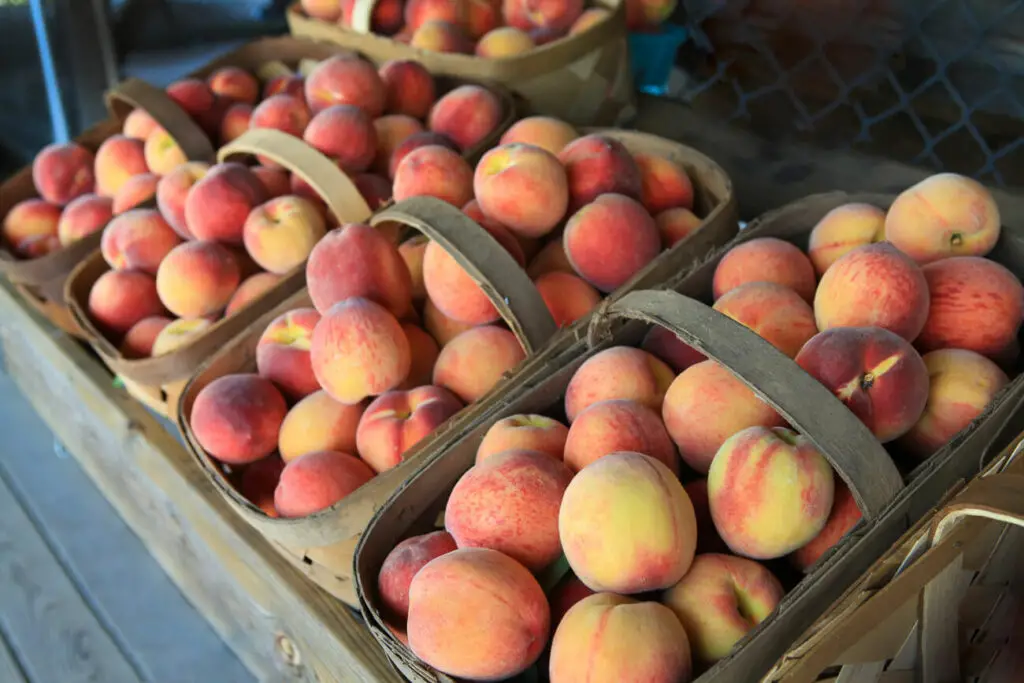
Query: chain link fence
(936, 83)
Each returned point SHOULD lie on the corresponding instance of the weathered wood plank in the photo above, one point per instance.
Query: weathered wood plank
(10, 672)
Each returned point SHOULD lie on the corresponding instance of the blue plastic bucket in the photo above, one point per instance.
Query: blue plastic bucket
(652, 56)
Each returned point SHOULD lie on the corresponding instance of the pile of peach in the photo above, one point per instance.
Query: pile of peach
(667, 577)
(494, 29)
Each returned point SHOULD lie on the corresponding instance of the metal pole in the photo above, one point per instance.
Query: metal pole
(58, 115)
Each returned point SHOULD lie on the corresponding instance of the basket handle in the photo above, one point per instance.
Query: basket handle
(362, 16)
(851, 449)
(499, 276)
(134, 93)
(322, 174)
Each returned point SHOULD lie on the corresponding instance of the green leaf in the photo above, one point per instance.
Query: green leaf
(118, 383)
(553, 573)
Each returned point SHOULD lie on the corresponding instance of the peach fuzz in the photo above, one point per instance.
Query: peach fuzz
(509, 502)
(618, 425)
(774, 312)
(397, 420)
(359, 350)
(567, 297)
(316, 481)
(121, 298)
(976, 304)
(280, 234)
(219, 203)
(197, 279)
(83, 216)
(708, 540)
(468, 115)
(550, 259)
(138, 341)
(442, 328)
(172, 191)
(590, 17)
(235, 84)
(842, 230)
(276, 181)
(961, 386)
(412, 252)
(441, 36)
(473, 363)
(292, 84)
(618, 372)
(424, 352)
(236, 418)
(844, 516)
(258, 482)
(604, 505)
(666, 346)
(390, 132)
(770, 492)
(29, 220)
(137, 239)
(138, 190)
(565, 595)
(162, 153)
(705, 405)
(409, 88)
(236, 121)
(251, 289)
(610, 240)
(719, 600)
(402, 564)
(765, 259)
(358, 261)
(178, 334)
(550, 134)
(344, 80)
(118, 159)
(434, 171)
(596, 165)
(873, 286)
(675, 225)
(523, 187)
(496, 629)
(664, 184)
(346, 134)
(550, 14)
(62, 172)
(282, 353)
(524, 432)
(415, 141)
(943, 215)
(139, 125)
(503, 42)
(319, 423)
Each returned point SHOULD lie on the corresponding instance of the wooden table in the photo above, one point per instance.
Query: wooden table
(280, 624)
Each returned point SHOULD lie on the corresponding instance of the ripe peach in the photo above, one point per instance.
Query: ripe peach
(138, 190)
(276, 181)
(282, 353)
(590, 17)
(434, 171)
(138, 239)
(346, 133)
(842, 230)
(391, 131)
(482, 17)
(522, 186)
(138, 341)
(976, 304)
(62, 172)
(550, 259)
(610, 240)
(664, 184)
(708, 540)
(765, 259)
(344, 80)
(419, 12)
(618, 372)
(524, 432)
(567, 297)
(618, 425)
(875, 285)
(31, 219)
(666, 346)
(218, 205)
(237, 120)
(409, 88)
(83, 216)
(162, 153)
(496, 628)
(770, 492)
(719, 600)
(553, 14)
(236, 418)
(442, 328)
(565, 595)
(402, 564)
(412, 252)
(40, 245)
(876, 373)
(442, 36)
(503, 42)
(397, 420)
(675, 225)
(943, 215)
(359, 350)
(619, 489)
(467, 115)
(509, 502)
(178, 334)
(172, 192)
(316, 481)
(195, 98)
(319, 423)
(258, 482)
(251, 289)
(293, 85)
(139, 125)
(705, 405)
(286, 113)
(424, 352)
(374, 189)
(474, 362)
(415, 141)
(197, 279)
(121, 298)
(235, 84)
(598, 165)
(550, 134)
(775, 312)
(280, 234)
(844, 516)
(118, 159)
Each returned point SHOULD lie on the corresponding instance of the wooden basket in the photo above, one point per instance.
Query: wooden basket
(888, 507)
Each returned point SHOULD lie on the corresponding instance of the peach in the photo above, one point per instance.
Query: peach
(618, 372)
(280, 234)
(424, 352)
(719, 600)
(344, 80)
(391, 131)
(566, 593)
(434, 171)
(600, 513)
(976, 304)
(83, 216)
(29, 220)
(118, 159)
(962, 384)
(770, 492)
(235, 84)
(316, 481)
(876, 285)
(442, 36)
(138, 190)
(397, 420)
(550, 259)
(193, 96)
(419, 12)
(467, 115)
(374, 189)
(40, 245)
(524, 432)
(139, 125)
(412, 252)
(473, 363)
(482, 17)
(675, 225)
(415, 141)
(522, 186)
(409, 88)
(258, 482)
(645, 16)
(293, 84)
(509, 502)
(765, 259)
(774, 312)
(385, 20)
(876, 373)
(282, 353)
(664, 184)
(442, 328)
(62, 172)
(138, 239)
(844, 516)
(345, 133)
(617, 425)
(237, 120)
(666, 346)
(178, 334)
(708, 540)
(589, 17)
(495, 630)
(219, 203)
(172, 192)
(598, 165)
(319, 423)
(358, 261)
(162, 153)
(567, 297)
(276, 181)
(503, 42)
(943, 215)
(286, 113)
(252, 288)
(198, 279)
(359, 350)
(121, 298)
(842, 230)
(610, 240)
(138, 341)
(402, 564)
(236, 418)
(550, 134)
(553, 14)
